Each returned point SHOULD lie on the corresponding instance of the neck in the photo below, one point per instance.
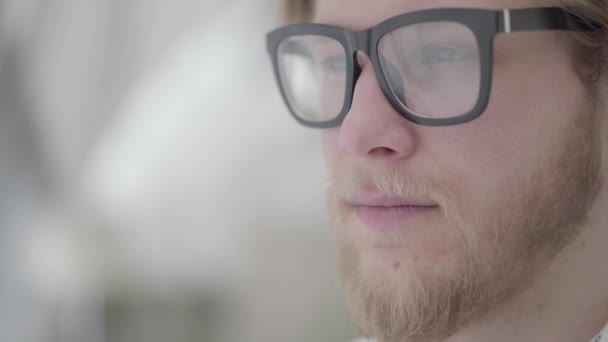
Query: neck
(567, 301)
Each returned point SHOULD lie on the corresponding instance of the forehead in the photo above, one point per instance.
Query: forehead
(361, 14)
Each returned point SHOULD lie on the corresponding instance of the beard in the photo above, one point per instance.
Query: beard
(494, 251)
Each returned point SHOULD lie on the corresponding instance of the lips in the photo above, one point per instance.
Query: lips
(381, 212)
(369, 199)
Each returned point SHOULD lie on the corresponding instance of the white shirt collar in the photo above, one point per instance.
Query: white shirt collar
(601, 337)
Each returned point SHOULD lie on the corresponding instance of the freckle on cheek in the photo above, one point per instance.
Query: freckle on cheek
(396, 265)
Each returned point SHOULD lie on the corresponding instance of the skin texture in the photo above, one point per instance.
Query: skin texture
(513, 251)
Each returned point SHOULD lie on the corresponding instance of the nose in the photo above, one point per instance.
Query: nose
(373, 130)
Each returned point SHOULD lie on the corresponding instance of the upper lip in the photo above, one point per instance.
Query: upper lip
(373, 199)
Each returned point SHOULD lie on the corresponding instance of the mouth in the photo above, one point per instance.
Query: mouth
(380, 212)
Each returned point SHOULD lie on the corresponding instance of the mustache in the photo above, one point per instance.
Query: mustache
(391, 182)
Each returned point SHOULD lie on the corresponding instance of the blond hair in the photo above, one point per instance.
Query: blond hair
(297, 10)
(591, 53)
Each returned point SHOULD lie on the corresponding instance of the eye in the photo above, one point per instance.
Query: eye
(334, 64)
(295, 48)
(443, 54)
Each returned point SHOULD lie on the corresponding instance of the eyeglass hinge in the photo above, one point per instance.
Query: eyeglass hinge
(506, 20)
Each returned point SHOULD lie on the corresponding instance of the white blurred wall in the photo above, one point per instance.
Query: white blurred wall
(156, 160)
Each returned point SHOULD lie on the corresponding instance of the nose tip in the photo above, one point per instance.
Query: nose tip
(372, 143)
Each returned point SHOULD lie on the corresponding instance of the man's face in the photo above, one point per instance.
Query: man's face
(437, 225)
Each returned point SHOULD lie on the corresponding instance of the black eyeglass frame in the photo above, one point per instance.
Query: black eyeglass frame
(484, 23)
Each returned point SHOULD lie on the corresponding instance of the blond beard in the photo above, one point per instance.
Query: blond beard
(493, 255)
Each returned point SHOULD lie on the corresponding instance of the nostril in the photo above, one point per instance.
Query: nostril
(382, 152)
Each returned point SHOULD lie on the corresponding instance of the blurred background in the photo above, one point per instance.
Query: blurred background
(152, 185)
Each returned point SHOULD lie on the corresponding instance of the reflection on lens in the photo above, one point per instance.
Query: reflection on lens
(433, 69)
(313, 76)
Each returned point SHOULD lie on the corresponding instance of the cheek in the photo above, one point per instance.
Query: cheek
(474, 158)
(520, 131)
(331, 151)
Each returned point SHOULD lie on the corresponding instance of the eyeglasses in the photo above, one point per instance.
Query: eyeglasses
(434, 66)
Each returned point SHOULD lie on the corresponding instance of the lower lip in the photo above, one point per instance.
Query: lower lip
(389, 218)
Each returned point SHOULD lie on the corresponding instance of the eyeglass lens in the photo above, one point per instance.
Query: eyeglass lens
(432, 69)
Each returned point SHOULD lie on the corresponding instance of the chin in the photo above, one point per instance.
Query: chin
(426, 251)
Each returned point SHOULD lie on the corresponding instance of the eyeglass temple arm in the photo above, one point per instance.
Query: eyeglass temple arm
(534, 19)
